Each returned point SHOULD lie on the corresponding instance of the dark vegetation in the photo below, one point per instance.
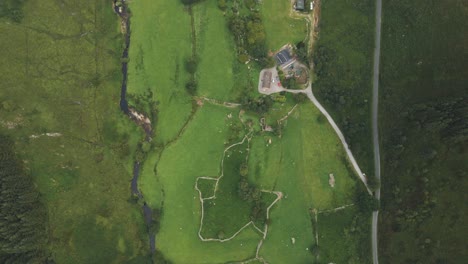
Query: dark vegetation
(145, 104)
(342, 62)
(23, 218)
(300, 98)
(424, 131)
(246, 26)
(302, 53)
(251, 193)
(341, 237)
(259, 105)
(61, 75)
(189, 2)
(12, 10)
(290, 83)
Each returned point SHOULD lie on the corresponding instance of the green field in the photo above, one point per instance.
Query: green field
(297, 164)
(61, 75)
(59, 102)
(280, 27)
(160, 45)
(423, 120)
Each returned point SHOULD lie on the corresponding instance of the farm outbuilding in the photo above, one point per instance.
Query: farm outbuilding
(300, 5)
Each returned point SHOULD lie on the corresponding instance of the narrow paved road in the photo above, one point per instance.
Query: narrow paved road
(276, 89)
(375, 129)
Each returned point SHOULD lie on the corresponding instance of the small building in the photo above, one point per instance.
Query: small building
(266, 80)
(300, 5)
(283, 57)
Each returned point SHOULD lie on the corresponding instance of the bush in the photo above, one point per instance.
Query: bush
(260, 105)
(222, 5)
(365, 202)
(373, 183)
(321, 119)
(191, 65)
(189, 2)
(191, 86)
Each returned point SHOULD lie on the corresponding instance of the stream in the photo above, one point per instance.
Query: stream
(122, 12)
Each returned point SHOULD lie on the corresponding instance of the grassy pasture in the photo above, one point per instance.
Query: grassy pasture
(280, 27)
(298, 164)
(216, 52)
(197, 153)
(160, 45)
(62, 76)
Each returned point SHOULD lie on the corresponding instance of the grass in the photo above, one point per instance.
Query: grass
(343, 56)
(300, 160)
(298, 165)
(62, 77)
(228, 213)
(160, 45)
(423, 196)
(280, 27)
(216, 52)
(306, 141)
(206, 187)
(340, 237)
(197, 153)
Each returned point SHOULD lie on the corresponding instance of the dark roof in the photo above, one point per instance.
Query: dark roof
(283, 56)
(300, 4)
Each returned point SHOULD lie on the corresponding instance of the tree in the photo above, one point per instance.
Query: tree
(22, 216)
(222, 5)
(189, 2)
(191, 65)
(366, 202)
(244, 169)
(373, 183)
(191, 86)
(301, 52)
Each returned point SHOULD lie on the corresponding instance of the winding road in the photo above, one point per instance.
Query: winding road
(275, 88)
(375, 128)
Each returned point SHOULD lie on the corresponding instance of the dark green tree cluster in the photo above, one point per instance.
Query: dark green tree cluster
(448, 118)
(158, 258)
(249, 192)
(365, 202)
(289, 83)
(250, 37)
(22, 215)
(12, 9)
(189, 2)
(302, 53)
(259, 105)
(191, 65)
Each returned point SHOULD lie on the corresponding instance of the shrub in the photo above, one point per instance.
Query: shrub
(191, 65)
(191, 86)
(222, 5)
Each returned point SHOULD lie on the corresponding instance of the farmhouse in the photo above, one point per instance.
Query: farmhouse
(283, 58)
(300, 5)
